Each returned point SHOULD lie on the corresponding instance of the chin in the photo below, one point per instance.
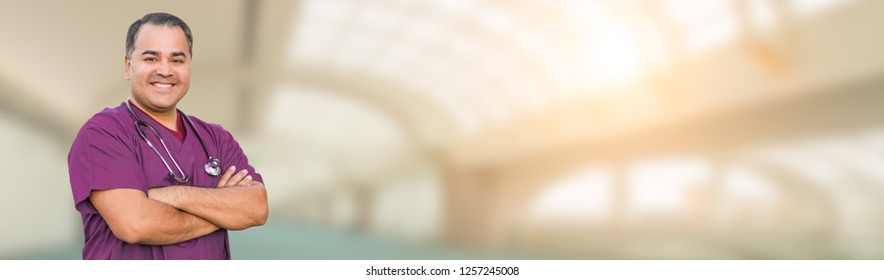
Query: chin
(164, 102)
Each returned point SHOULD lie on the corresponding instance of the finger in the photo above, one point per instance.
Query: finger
(226, 177)
(245, 181)
(235, 180)
(238, 178)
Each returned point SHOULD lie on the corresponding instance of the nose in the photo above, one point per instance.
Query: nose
(164, 69)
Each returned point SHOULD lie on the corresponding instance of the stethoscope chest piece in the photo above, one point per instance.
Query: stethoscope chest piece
(213, 167)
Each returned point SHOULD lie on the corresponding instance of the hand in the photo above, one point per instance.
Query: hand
(233, 178)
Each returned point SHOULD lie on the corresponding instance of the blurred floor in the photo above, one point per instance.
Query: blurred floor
(283, 240)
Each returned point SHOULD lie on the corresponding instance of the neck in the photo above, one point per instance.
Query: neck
(168, 118)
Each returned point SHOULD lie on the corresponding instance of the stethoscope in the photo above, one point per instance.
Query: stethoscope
(213, 167)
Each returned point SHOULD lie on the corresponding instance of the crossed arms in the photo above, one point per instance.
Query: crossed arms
(174, 214)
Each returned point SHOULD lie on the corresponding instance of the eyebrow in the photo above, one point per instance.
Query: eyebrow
(152, 52)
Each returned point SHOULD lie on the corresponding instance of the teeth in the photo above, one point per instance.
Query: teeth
(162, 85)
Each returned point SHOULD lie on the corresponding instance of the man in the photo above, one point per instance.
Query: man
(137, 171)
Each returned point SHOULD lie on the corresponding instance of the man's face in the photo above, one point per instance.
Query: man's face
(158, 69)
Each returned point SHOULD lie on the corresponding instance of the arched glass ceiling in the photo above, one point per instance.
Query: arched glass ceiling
(485, 62)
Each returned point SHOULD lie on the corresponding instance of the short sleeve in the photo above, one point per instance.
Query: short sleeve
(232, 154)
(100, 159)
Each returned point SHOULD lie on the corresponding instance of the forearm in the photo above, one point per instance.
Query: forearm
(235, 208)
(134, 218)
(163, 224)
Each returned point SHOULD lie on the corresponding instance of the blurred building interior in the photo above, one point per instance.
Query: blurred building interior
(460, 129)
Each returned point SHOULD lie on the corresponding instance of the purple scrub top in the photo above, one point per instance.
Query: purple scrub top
(108, 153)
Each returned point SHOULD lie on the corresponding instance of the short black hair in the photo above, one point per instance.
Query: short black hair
(160, 19)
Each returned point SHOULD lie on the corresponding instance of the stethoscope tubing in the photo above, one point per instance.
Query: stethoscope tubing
(212, 167)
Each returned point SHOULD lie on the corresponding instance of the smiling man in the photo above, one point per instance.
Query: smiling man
(147, 178)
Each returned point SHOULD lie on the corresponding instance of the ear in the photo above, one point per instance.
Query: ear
(128, 65)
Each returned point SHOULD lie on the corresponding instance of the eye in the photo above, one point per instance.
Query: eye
(150, 59)
(178, 61)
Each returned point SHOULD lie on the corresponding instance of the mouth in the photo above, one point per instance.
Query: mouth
(162, 85)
